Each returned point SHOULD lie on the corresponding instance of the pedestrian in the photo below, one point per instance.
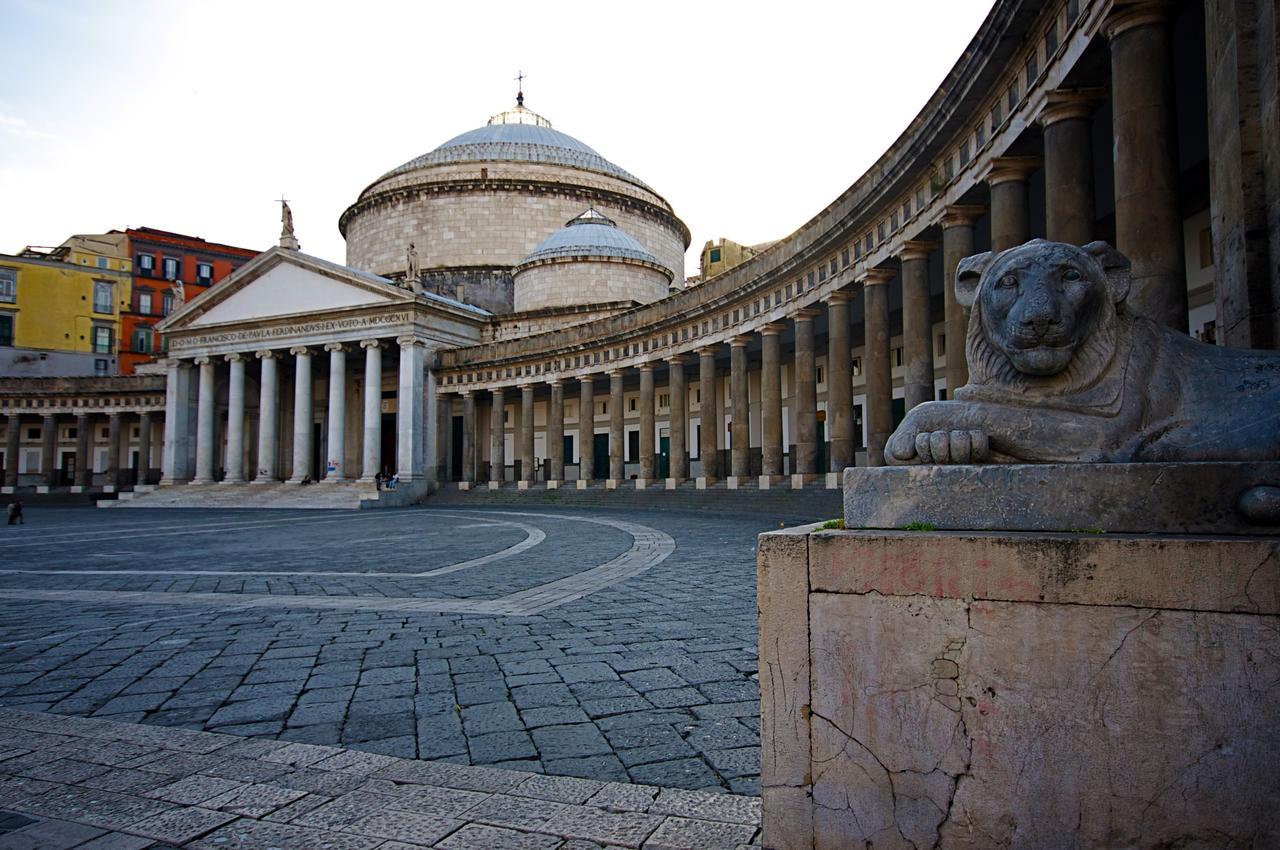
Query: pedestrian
(395, 481)
(377, 481)
(15, 513)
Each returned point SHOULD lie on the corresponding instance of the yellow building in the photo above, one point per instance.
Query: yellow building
(60, 308)
(720, 255)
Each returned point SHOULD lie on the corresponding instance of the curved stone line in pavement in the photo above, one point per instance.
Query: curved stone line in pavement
(649, 548)
(533, 536)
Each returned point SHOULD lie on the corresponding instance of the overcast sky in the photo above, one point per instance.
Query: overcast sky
(193, 116)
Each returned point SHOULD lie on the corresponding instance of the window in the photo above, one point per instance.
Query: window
(100, 368)
(964, 153)
(715, 255)
(857, 366)
(102, 339)
(167, 301)
(821, 379)
(980, 136)
(103, 296)
(1033, 68)
(844, 258)
(867, 244)
(1013, 95)
(144, 301)
(1051, 40)
(664, 400)
(633, 405)
(146, 264)
(822, 275)
(995, 118)
(893, 222)
(9, 286)
(6, 329)
(857, 250)
(906, 210)
(204, 273)
(103, 264)
(880, 232)
(172, 268)
(142, 340)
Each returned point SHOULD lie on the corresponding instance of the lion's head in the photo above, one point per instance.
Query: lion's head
(1042, 314)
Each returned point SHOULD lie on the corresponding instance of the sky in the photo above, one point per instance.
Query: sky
(195, 117)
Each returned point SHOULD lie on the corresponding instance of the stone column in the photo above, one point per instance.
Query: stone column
(468, 474)
(806, 406)
(875, 287)
(410, 409)
(1007, 179)
(204, 425)
(497, 438)
(1069, 213)
(173, 451)
(555, 433)
(268, 418)
(740, 450)
(444, 437)
(12, 446)
(235, 421)
(839, 383)
(708, 415)
(648, 452)
(144, 448)
(1242, 56)
(617, 433)
(526, 435)
(49, 450)
(957, 243)
(84, 449)
(335, 467)
(1148, 206)
(303, 414)
(371, 462)
(114, 421)
(771, 404)
(917, 322)
(586, 430)
(679, 465)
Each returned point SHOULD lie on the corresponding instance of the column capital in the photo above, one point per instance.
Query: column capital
(234, 357)
(335, 346)
(202, 361)
(466, 393)
(805, 314)
(176, 363)
(527, 387)
(409, 341)
(1006, 169)
(370, 343)
(299, 350)
(589, 378)
(675, 359)
(555, 382)
(645, 367)
(771, 329)
(1066, 104)
(265, 354)
(916, 249)
(1125, 16)
(708, 350)
(840, 296)
(962, 215)
(877, 277)
(740, 341)
(617, 373)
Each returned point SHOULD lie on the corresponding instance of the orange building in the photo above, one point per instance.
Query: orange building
(167, 269)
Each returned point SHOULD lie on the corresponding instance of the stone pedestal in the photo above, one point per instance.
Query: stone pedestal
(989, 689)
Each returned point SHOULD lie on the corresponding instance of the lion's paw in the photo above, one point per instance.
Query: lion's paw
(946, 447)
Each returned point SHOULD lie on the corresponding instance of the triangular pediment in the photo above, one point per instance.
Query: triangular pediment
(285, 283)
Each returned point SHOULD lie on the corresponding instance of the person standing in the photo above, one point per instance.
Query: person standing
(15, 513)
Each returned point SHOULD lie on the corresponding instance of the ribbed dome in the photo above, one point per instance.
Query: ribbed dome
(590, 235)
(518, 135)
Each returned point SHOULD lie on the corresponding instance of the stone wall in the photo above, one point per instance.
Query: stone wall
(992, 690)
(574, 282)
(455, 218)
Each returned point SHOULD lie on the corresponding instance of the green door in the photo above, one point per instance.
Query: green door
(600, 445)
(664, 457)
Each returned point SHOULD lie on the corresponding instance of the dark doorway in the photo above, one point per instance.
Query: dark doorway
(899, 413)
(600, 443)
(67, 474)
(822, 446)
(664, 456)
(633, 447)
(568, 448)
(389, 442)
(455, 450)
(316, 435)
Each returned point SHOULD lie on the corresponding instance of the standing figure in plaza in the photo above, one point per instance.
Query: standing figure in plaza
(1061, 372)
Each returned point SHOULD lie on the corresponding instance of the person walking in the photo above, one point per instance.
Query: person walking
(15, 513)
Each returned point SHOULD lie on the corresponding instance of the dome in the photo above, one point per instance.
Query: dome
(517, 135)
(590, 235)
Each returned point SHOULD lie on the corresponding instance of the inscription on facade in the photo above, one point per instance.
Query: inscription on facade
(253, 334)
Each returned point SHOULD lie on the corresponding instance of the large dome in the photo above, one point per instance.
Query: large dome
(518, 135)
(590, 235)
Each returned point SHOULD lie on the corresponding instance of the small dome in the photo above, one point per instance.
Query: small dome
(518, 135)
(591, 234)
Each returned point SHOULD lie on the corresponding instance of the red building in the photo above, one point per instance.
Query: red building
(160, 260)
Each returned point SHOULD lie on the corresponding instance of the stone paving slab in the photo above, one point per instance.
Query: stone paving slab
(642, 671)
(398, 804)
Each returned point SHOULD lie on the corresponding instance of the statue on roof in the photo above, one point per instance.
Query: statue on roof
(287, 237)
(412, 271)
(179, 292)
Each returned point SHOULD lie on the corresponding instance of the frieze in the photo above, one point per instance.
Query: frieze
(253, 334)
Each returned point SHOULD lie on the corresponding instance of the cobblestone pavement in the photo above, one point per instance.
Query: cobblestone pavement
(68, 782)
(351, 629)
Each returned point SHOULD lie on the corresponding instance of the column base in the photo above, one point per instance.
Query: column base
(44, 488)
(76, 488)
(642, 483)
(522, 485)
(6, 489)
(612, 483)
(673, 483)
(260, 482)
(554, 484)
(335, 479)
(464, 486)
(733, 482)
(582, 483)
(800, 479)
(495, 485)
(767, 482)
(232, 481)
(192, 481)
(833, 480)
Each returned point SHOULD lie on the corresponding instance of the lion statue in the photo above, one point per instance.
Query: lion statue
(1061, 372)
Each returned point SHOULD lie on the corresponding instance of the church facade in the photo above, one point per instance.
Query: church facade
(510, 311)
